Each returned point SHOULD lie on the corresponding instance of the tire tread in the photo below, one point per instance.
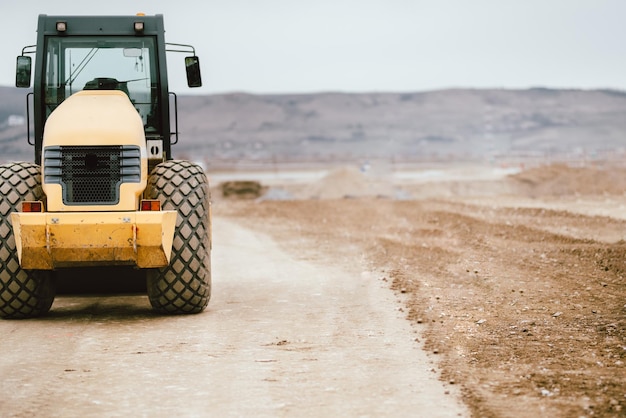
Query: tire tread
(185, 285)
(23, 293)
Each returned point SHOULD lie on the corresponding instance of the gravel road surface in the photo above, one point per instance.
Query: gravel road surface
(283, 336)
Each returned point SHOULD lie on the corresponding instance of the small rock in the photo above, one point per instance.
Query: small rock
(481, 321)
(557, 314)
(545, 392)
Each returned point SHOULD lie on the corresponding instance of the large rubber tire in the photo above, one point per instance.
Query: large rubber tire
(185, 285)
(23, 293)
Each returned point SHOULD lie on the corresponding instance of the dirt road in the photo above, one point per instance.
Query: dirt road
(283, 336)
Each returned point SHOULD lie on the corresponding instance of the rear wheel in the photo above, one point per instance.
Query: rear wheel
(23, 293)
(185, 285)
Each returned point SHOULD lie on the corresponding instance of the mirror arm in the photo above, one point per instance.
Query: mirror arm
(34, 49)
(189, 48)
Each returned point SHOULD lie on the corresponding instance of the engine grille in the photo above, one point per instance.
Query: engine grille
(91, 175)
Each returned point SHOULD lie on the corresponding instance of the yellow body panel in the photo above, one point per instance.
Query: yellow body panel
(96, 117)
(45, 241)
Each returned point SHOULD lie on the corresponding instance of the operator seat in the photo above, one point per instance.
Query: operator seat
(106, 83)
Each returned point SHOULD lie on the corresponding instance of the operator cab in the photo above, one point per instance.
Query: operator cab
(125, 53)
(77, 63)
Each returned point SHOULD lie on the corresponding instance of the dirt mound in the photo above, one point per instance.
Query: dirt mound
(562, 180)
(348, 182)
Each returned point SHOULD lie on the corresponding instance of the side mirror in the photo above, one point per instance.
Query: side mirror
(22, 73)
(192, 64)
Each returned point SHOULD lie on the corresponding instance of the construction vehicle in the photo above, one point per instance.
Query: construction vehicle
(103, 189)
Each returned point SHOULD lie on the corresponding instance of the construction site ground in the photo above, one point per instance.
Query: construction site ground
(448, 290)
(512, 278)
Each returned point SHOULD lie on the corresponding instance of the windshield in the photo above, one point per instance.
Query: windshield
(103, 63)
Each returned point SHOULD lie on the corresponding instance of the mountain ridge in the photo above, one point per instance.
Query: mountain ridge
(462, 123)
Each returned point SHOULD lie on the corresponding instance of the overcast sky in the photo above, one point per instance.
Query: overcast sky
(288, 46)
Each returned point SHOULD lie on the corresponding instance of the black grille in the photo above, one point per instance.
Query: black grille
(92, 175)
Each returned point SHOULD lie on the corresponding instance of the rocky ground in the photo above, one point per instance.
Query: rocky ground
(514, 284)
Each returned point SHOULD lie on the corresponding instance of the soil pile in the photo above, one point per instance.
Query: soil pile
(563, 180)
(348, 182)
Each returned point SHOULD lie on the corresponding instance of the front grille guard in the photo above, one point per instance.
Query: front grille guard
(92, 175)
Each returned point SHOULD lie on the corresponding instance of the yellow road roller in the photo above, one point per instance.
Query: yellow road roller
(103, 189)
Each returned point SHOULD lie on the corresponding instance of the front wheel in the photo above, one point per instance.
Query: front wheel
(23, 293)
(185, 285)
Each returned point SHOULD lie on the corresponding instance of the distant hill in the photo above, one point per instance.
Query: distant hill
(412, 126)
